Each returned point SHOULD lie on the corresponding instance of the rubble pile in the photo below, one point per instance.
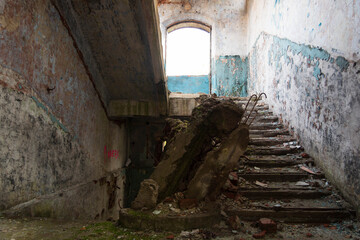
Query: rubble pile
(199, 155)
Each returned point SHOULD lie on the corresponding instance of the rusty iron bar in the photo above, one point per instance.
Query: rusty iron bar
(251, 111)
(258, 98)
(247, 104)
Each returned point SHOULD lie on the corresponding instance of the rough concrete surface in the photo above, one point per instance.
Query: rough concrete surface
(53, 125)
(147, 196)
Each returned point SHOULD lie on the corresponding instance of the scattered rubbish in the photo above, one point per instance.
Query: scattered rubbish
(301, 183)
(268, 225)
(259, 235)
(305, 155)
(277, 206)
(233, 176)
(309, 235)
(261, 184)
(307, 170)
(128, 162)
(156, 212)
(170, 237)
(256, 168)
(187, 203)
(223, 213)
(234, 222)
(176, 210)
(185, 234)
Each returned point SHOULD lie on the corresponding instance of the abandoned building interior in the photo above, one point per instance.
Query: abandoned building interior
(89, 88)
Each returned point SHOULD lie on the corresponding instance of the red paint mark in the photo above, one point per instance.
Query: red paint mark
(111, 154)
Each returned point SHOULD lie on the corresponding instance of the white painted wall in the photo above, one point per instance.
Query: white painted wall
(330, 24)
(228, 36)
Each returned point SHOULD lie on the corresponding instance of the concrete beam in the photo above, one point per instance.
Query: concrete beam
(134, 108)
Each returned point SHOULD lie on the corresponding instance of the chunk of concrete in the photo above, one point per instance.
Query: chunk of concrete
(213, 173)
(147, 196)
(184, 153)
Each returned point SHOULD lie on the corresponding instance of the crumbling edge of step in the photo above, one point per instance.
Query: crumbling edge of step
(147, 220)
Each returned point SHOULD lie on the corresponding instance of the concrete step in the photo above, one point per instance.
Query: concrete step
(294, 215)
(270, 141)
(278, 176)
(268, 132)
(268, 193)
(265, 119)
(273, 163)
(262, 150)
(266, 126)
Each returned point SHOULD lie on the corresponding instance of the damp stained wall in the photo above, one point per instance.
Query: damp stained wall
(228, 22)
(53, 127)
(305, 56)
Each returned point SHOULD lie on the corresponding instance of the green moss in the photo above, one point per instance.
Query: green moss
(140, 214)
(109, 231)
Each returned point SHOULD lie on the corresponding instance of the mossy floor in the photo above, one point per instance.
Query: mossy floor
(46, 229)
(37, 229)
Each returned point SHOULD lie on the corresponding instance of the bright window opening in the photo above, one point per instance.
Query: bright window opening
(188, 52)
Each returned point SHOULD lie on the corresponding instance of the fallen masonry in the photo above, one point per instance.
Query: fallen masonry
(217, 173)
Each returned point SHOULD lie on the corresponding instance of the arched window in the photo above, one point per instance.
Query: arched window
(188, 58)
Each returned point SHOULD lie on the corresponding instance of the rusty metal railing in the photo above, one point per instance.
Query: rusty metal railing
(256, 99)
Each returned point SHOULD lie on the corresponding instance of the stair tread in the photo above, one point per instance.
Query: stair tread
(272, 168)
(310, 215)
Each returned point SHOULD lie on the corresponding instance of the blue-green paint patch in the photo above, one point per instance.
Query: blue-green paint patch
(40, 105)
(276, 2)
(281, 46)
(342, 63)
(317, 71)
(20, 87)
(308, 15)
(231, 73)
(320, 24)
(189, 84)
(52, 117)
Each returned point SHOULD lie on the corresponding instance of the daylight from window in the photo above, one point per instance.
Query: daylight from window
(188, 52)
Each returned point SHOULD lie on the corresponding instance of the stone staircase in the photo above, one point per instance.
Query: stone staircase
(277, 180)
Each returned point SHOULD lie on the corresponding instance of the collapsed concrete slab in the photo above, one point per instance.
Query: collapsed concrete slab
(213, 173)
(199, 154)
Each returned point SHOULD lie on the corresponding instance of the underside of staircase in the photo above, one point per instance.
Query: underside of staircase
(276, 179)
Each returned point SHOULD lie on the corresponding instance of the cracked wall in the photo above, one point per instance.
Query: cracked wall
(53, 125)
(305, 57)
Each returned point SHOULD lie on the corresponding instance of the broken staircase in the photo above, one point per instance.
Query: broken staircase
(277, 180)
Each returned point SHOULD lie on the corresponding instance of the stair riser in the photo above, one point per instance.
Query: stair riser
(268, 133)
(265, 126)
(271, 151)
(260, 195)
(295, 216)
(278, 177)
(269, 142)
(273, 164)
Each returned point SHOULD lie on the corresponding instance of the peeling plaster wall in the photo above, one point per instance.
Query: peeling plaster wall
(305, 57)
(228, 22)
(330, 24)
(231, 76)
(53, 128)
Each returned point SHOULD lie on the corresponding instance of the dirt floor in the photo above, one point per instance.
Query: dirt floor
(37, 229)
